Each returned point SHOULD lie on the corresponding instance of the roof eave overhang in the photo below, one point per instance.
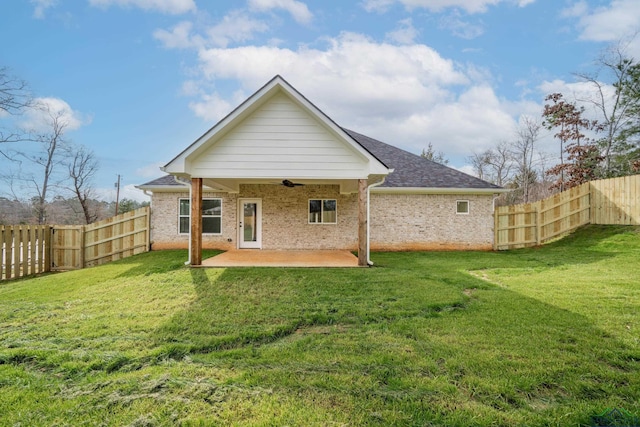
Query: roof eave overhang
(438, 190)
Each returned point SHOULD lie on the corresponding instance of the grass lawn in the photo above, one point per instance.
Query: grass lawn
(547, 336)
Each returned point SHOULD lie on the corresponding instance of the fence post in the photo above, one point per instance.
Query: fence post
(82, 247)
(495, 227)
(8, 230)
(148, 233)
(538, 225)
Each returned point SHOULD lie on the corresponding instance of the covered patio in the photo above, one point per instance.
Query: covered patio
(282, 258)
(277, 140)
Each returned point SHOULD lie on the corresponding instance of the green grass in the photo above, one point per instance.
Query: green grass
(547, 336)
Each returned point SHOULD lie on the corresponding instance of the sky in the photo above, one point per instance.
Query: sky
(140, 80)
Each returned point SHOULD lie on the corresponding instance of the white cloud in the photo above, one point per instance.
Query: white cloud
(406, 95)
(128, 191)
(578, 9)
(618, 20)
(353, 73)
(380, 6)
(173, 7)
(40, 7)
(237, 26)
(469, 6)
(405, 34)
(461, 28)
(298, 10)
(211, 107)
(179, 37)
(39, 118)
(151, 170)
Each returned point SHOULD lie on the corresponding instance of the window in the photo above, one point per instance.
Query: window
(211, 216)
(462, 207)
(322, 211)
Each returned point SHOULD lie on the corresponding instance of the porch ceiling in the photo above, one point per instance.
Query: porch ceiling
(232, 185)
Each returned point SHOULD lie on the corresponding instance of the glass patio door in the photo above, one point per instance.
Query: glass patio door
(250, 224)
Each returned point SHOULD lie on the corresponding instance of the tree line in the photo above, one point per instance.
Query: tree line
(61, 210)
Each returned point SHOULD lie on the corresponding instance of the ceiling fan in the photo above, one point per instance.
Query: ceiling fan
(290, 184)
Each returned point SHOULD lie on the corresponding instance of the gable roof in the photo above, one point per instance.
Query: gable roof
(405, 172)
(276, 131)
(410, 172)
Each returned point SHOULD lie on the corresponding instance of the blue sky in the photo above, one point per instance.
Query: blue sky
(142, 79)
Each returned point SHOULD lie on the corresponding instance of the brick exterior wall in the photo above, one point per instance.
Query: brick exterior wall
(398, 222)
(285, 222)
(164, 222)
(429, 222)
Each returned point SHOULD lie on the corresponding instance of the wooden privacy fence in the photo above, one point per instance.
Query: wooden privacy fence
(80, 246)
(608, 201)
(25, 250)
(31, 249)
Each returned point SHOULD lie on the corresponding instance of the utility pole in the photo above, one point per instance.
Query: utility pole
(117, 185)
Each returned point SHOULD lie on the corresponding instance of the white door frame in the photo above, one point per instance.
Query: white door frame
(257, 242)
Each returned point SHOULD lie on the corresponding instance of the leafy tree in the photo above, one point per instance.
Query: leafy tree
(582, 166)
(431, 154)
(127, 205)
(569, 123)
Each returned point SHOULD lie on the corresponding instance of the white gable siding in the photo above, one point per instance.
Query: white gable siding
(279, 140)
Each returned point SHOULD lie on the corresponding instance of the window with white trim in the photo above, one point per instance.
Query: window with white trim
(323, 211)
(211, 216)
(462, 207)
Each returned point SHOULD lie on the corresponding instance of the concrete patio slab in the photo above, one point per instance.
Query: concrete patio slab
(269, 258)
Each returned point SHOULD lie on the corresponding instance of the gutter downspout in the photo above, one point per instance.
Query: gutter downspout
(375, 184)
(188, 182)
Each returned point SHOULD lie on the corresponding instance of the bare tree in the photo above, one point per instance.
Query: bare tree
(82, 167)
(480, 164)
(14, 93)
(47, 160)
(523, 151)
(495, 164)
(14, 99)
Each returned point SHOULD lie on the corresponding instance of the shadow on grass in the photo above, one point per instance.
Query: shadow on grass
(158, 262)
(249, 307)
(499, 358)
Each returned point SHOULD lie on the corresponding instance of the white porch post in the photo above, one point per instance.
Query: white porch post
(363, 202)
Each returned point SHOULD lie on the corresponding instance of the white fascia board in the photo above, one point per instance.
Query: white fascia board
(434, 190)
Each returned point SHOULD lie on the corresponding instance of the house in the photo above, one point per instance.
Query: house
(277, 173)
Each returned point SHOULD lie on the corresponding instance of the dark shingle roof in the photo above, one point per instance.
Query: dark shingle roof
(165, 181)
(410, 170)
